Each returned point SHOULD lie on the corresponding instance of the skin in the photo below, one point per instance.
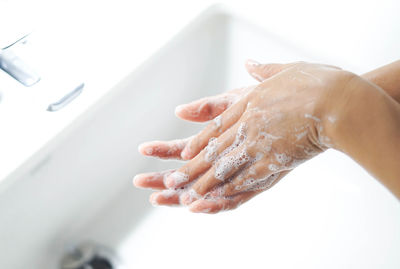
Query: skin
(388, 78)
(296, 112)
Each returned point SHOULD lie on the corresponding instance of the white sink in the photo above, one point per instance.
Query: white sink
(328, 213)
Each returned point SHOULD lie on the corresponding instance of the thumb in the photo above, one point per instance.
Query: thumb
(263, 71)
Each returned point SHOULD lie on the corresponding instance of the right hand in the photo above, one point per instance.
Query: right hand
(209, 108)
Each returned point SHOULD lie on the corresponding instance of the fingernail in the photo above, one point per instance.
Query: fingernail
(252, 63)
(179, 109)
(140, 147)
(135, 179)
(145, 149)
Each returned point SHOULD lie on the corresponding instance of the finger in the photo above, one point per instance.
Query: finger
(251, 182)
(205, 109)
(208, 108)
(262, 72)
(164, 149)
(153, 180)
(255, 175)
(212, 206)
(165, 197)
(214, 129)
(222, 170)
(220, 146)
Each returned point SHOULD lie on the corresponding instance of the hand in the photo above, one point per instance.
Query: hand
(269, 131)
(201, 110)
(208, 108)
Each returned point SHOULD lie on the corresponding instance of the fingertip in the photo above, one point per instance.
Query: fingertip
(251, 63)
(183, 112)
(140, 148)
(140, 182)
(179, 109)
(257, 76)
(136, 181)
(153, 199)
(145, 149)
(253, 68)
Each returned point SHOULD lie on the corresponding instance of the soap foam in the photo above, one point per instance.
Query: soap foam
(166, 174)
(211, 151)
(252, 170)
(301, 135)
(282, 158)
(263, 183)
(273, 167)
(226, 164)
(309, 116)
(218, 122)
(168, 193)
(239, 139)
(191, 196)
(180, 177)
(263, 135)
(332, 119)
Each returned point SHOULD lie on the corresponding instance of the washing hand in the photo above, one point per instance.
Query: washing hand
(269, 130)
(263, 132)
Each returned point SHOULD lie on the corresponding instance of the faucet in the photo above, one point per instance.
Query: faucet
(16, 67)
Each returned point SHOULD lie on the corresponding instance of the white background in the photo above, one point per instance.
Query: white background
(107, 39)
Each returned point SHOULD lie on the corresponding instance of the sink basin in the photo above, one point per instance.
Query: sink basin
(327, 213)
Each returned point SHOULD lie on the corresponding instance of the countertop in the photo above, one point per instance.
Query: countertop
(109, 39)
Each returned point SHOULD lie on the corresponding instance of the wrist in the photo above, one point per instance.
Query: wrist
(346, 117)
(367, 129)
(334, 106)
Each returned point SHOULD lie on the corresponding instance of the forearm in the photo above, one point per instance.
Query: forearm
(368, 130)
(388, 78)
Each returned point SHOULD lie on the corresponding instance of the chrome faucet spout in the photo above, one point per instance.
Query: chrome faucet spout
(17, 68)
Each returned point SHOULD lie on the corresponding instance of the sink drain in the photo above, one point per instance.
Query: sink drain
(89, 256)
